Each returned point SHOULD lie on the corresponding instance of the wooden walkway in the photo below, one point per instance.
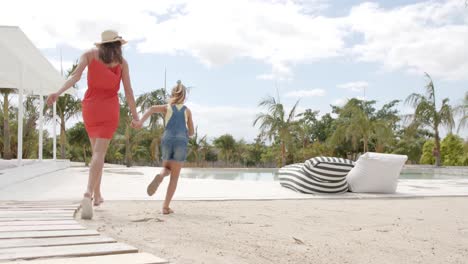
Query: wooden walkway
(47, 232)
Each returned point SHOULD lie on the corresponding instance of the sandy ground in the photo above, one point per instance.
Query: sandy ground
(432, 230)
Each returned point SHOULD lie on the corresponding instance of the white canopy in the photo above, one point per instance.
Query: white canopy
(21, 59)
(23, 67)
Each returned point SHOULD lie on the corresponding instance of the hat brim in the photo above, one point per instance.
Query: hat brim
(122, 41)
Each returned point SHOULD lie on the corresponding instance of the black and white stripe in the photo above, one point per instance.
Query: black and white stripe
(317, 175)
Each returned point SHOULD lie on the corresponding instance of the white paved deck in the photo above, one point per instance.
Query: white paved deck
(120, 183)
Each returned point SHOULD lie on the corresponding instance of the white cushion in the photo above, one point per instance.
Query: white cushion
(376, 173)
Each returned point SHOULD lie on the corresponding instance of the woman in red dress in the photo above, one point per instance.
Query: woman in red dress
(100, 106)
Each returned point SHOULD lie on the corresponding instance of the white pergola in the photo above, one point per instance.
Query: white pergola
(23, 67)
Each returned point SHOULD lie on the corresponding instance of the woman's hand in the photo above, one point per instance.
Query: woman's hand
(52, 98)
(136, 124)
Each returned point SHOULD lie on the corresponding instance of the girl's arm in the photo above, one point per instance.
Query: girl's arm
(128, 90)
(152, 110)
(191, 131)
(72, 80)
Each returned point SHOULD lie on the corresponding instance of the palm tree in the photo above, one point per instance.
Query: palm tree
(206, 150)
(6, 125)
(385, 126)
(426, 113)
(463, 111)
(77, 134)
(196, 145)
(145, 101)
(383, 134)
(226, 145)
(305, 128)
(67, 107)
(354, 124)
(275, 124)
(124, 123)
(30, 132)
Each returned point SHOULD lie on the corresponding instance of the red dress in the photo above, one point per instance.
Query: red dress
(100, 105)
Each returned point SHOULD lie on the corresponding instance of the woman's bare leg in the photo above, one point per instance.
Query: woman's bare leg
(175, 168)
(95, 169)
(97, 195)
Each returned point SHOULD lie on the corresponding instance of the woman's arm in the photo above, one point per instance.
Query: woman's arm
(128, 90)
(72, 80)
(191, 131)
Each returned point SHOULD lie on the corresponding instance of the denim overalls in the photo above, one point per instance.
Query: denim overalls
(175, 137)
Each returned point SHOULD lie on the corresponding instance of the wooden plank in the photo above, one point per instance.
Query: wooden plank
(37, 208)
(36, 213)
(35, 218)
(40, 228)
(45, 234)
(40, 202)
(24, 216)
(28, 205)
(39, 222)
(33, 211)
(135, 258)
(66, 251)
(54, 241)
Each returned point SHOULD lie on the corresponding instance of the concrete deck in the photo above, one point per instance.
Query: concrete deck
(120, 183)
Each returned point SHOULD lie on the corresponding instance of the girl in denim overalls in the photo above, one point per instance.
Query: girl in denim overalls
(179, 127)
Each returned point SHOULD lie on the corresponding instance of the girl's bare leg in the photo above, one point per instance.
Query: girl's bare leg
(171, 188)
(166, 170)
(95, 170)
(153, 186)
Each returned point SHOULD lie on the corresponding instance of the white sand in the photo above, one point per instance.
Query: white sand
(432, 230)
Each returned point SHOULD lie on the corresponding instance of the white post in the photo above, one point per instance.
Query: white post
(54, 131)
(20, 117)
(41, 124)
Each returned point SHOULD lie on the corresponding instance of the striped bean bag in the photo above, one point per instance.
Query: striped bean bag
(317, 175)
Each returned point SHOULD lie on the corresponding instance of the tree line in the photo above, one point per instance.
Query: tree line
(284, 137)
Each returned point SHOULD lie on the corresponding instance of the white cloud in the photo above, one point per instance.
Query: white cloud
(52, 22)
(274, 32)
(306, 93)
(65, 64)
(355, 86)
(340, 101)
(266, 76)
(428, 37)
(215, 121)
(343, 101)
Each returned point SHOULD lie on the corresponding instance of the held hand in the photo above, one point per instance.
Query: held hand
(52, 98)
(136, 124)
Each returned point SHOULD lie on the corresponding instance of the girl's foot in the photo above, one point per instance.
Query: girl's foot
(167, 210)
(153, 186)
(98, 201)
(86, 208)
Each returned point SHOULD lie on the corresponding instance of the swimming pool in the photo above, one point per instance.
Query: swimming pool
(271, 174)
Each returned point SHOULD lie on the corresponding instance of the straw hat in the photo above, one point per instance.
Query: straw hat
(110, 36)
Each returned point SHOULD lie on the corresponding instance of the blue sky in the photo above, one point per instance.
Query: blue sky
(234, 53)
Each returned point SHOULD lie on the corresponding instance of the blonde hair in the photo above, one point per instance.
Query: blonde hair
(178, 94)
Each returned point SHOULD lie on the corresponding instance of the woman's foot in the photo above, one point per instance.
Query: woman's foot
(153, 186)
(98, 200)
(167, 210)
(86, 208)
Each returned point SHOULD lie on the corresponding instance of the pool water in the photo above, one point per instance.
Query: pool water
(271, 174)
